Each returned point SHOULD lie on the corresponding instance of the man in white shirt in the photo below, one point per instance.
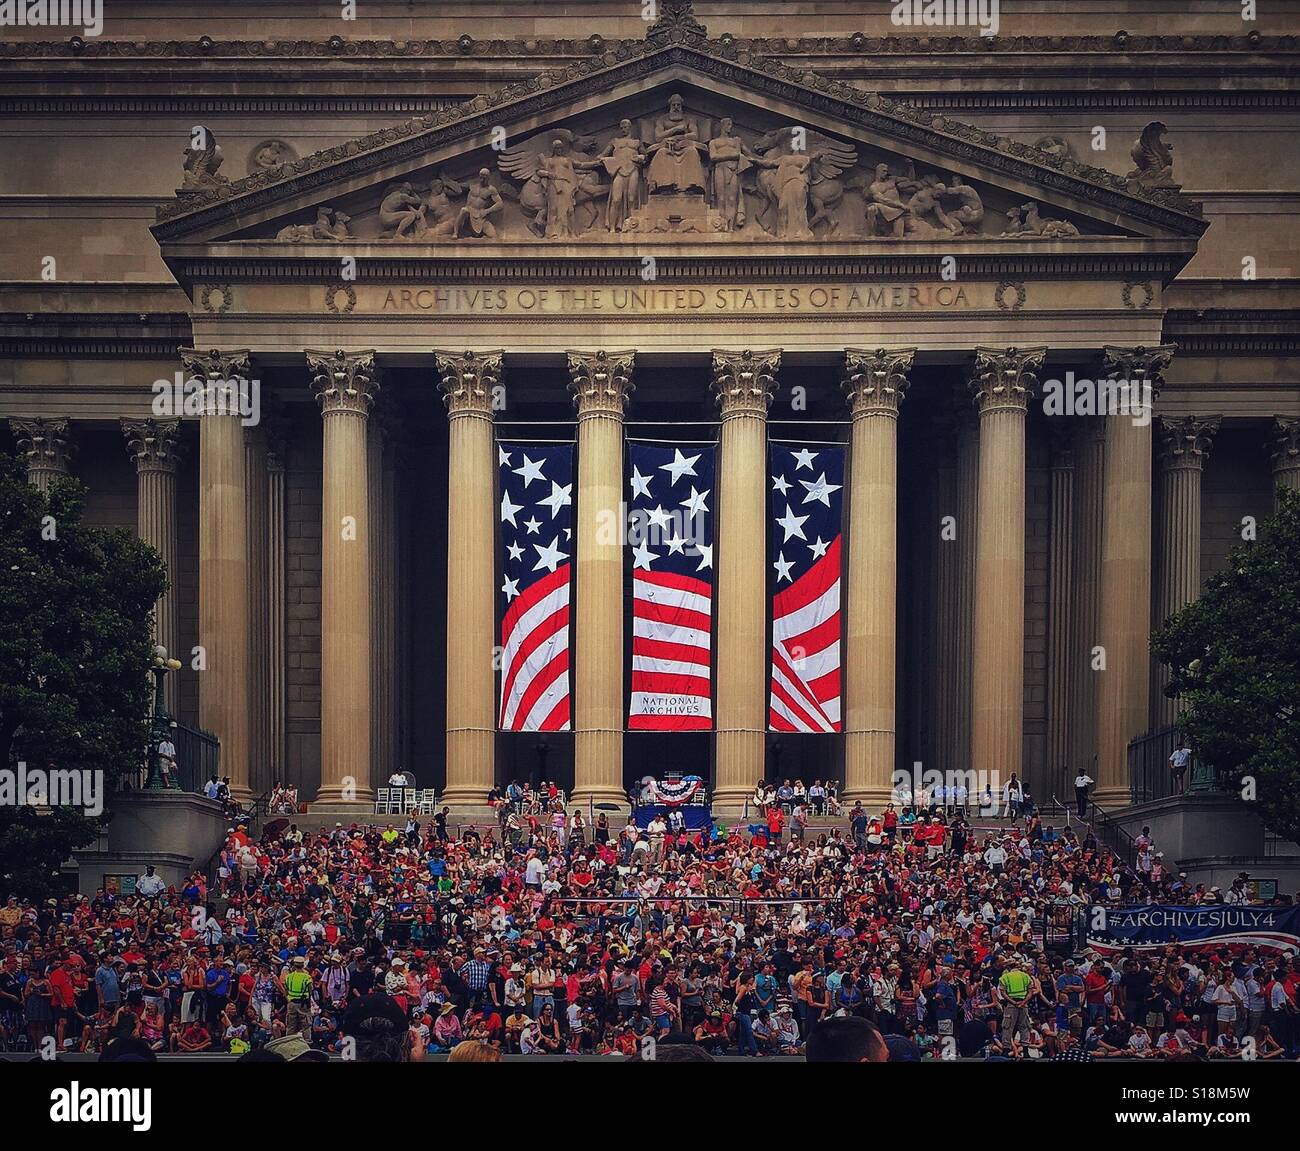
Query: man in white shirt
(996, 858)
(150, 885)
(1082, 782)
(167, 759)
(1179, 762)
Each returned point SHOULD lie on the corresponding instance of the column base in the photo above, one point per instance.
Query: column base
(461, 796)
(873, 799)
(1112, 797)
(332, 798)
(588, 797)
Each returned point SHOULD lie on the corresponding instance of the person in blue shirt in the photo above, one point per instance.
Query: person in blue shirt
(107, 988)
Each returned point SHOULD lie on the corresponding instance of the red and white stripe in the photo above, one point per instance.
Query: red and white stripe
(535, 657)
(672, 636)
(806, 664)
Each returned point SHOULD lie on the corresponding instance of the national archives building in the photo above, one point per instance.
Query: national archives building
(419, 235)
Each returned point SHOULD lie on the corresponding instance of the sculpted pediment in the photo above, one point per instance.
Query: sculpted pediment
(677, 140)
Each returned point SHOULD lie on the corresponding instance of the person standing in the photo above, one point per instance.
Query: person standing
(1082, 782)
(297, 986)
(1179, 762)
(1013, 993)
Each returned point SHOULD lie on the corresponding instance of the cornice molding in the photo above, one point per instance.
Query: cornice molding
(857, 44)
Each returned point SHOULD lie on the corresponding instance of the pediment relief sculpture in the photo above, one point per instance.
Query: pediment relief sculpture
(680, 171)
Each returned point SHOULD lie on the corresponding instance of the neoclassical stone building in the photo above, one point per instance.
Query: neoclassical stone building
(803, 222)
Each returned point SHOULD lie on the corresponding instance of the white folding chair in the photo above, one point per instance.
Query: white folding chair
(427, 801)
(381, 801)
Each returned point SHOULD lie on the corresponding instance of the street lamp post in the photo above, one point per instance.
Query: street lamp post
(160, 720)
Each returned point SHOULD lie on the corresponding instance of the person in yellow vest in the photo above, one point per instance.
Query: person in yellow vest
(297, 985)
(1013, 993)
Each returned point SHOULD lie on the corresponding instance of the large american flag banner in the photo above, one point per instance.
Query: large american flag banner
(807, 505)
(536, 515)
(670, 532)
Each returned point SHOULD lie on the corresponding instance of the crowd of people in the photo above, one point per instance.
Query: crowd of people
(544, 935)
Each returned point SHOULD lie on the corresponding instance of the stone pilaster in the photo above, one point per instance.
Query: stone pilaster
(1286, 453)
(943, 529)
(47, 445)
(468, 380)
(1002, 383)
(1089, 456)
(259, 606)
(874, 384)
(390, 558)
(1061, 668)
(744, 383)
(156, 448)
(345, 385)
(601, 383)
(1184, 447)
(380, 751)
(968, 486)
(276, 431)
(223, 562)
(1124, 612)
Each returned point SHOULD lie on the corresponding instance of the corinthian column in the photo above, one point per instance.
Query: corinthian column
(601, 383)
(1089, 452)
(1002, 383)
(874, 383)
(155, 447)
(1286, 455)
(1124, 612)
(345, 386)
(277, 445)
(47, 446)
(1184, 447)
(468, 380)
(223, 561)
(744, 384)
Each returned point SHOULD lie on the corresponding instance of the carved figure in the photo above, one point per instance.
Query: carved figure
(560, 176)
(675, 164)
(440, 214)
(201, 163)
(525, 162)
(623, 159)
(1026, 222)
(825, 189)
(330, 225)
(886, 210)
(1153, 157)
(730, 159)
(401, 212)
(925, 214)
(271, 154)
(482, 202)
(969, 209)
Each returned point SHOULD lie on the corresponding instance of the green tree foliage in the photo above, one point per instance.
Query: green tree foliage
(76, 605)
(1234, 658)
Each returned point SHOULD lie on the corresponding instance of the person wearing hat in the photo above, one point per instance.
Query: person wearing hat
(1013, 993)
(297, 986)
(293, 1048)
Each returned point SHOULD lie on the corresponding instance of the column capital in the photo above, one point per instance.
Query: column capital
(217, 367)
(601, 382)
(876, 381)
(1185, 441)
(1285, 443)
(46, 444)
(744, 382)
(468, 380)
(1005, 377)
(1139, 365)
(155, 445)
(344, 383)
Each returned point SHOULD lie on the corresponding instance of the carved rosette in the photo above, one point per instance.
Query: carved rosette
(1185, 441)
(155, 445)
(1005, 377)
(601, 382)
(745, 382)
(1285, 443)
(45, 443)
(468, 380)
(876, 381)
(345, 383)
(1139, 365)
